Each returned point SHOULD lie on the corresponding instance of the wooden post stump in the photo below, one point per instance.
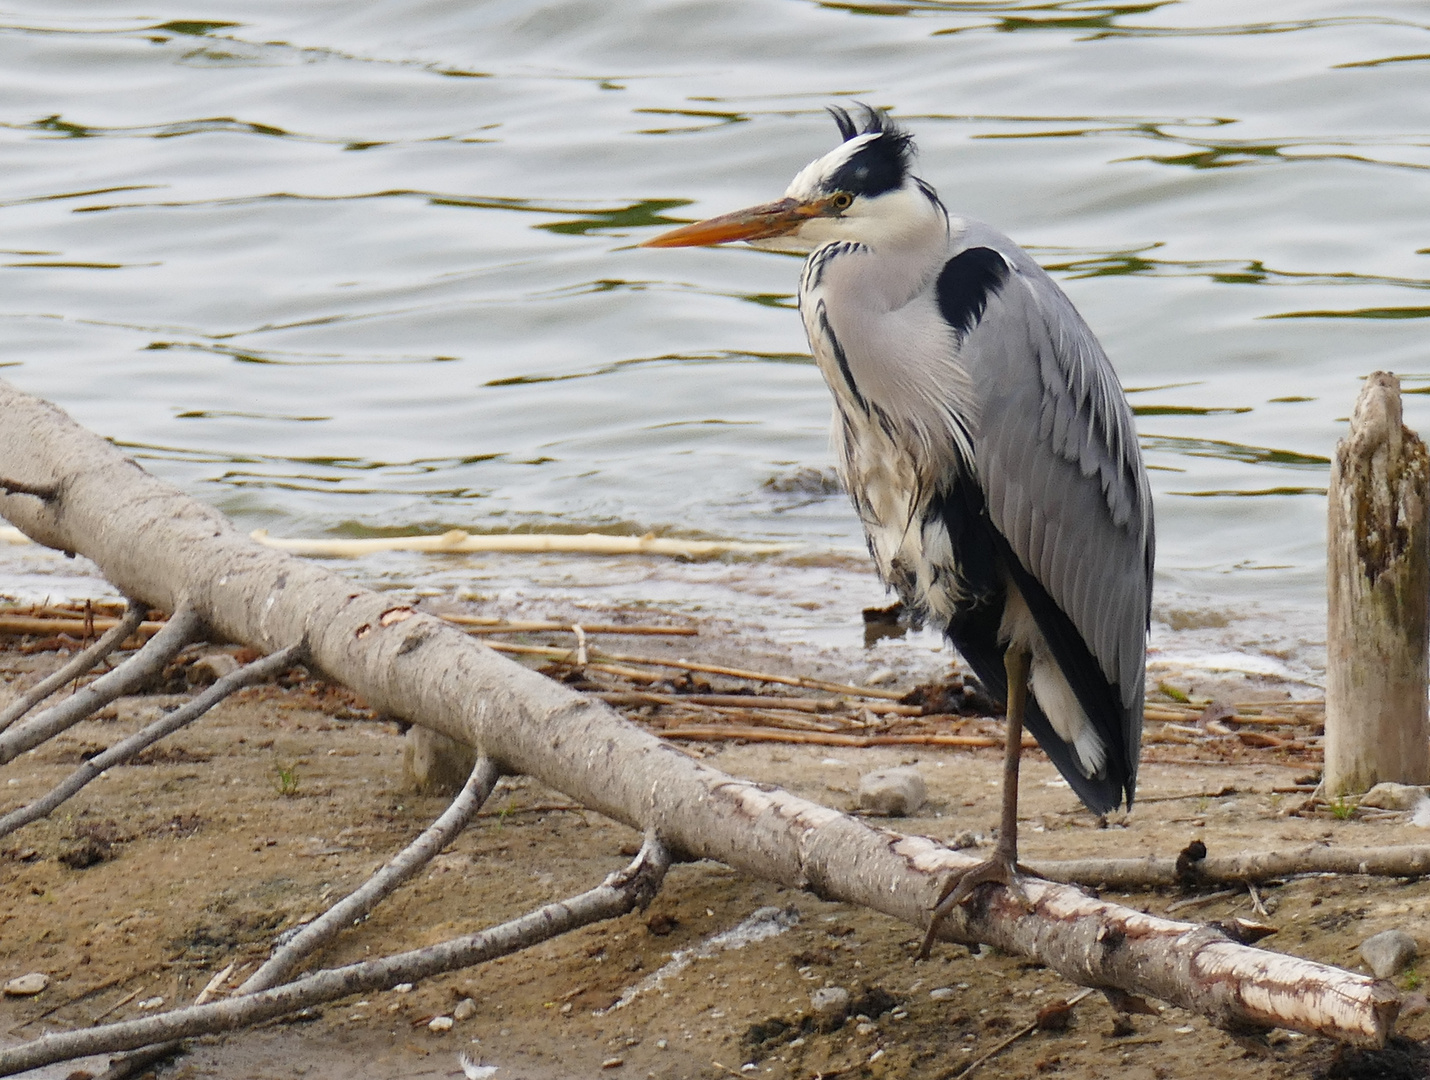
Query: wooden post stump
(1378, 593)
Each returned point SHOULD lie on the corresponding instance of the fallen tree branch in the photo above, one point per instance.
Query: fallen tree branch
(115, 636)
(382, 884)
(1411, 860)
(129, 676)
(122, 751)
(414, 666)
(621, 892)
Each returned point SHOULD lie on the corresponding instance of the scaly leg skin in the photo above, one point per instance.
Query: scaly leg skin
(1002, 867)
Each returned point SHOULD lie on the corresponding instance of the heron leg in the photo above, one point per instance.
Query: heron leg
(1002, 867)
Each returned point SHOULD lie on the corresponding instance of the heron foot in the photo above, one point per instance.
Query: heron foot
(1001, 869)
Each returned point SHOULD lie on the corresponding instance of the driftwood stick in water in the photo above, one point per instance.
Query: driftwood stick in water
(1378, 599)
(414, 666)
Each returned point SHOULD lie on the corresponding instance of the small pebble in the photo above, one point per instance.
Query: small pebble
(402, 988)
(1389, 952)
(876, 1055)
(440, 1024)
(866, 1029)
(830, 1005)
(27, 985)
(897, 792)
(465, 1010)
(943, 993)
(661, 1044)
(566, 1009)
(151, 1003)
(613, 1063)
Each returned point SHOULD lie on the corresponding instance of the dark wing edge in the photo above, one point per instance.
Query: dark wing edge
(1059, 460)
(974, 631)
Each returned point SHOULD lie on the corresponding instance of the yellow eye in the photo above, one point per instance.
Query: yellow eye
(841, 200)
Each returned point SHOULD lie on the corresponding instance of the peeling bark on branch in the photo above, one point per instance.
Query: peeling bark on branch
(413, 665)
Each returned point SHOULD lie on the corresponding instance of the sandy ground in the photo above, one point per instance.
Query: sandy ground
(284, 798)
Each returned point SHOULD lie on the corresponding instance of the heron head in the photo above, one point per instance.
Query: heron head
(862, 190)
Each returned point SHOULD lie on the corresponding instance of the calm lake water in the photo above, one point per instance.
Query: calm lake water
(347, 268)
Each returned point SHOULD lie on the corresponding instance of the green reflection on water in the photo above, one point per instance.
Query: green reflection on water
(194, 27)
(174, 129)
(637, 215)
(1136, 262)
(290, 359)
(1188, 410)
(719, 357)
(215, 414)
(1231, 451)
(1238, 494)
(718, 120)
(1357, 313)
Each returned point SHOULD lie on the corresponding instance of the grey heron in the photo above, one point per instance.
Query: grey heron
(989, 451)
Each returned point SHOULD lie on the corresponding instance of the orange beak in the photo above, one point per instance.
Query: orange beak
(756, 223)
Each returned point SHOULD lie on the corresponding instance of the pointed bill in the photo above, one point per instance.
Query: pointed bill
(755, 223)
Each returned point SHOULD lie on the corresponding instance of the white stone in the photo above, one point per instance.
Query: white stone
(830, 1005)
(1389, 795)
(465, 1010)
(27, 985)
(440, 1024)
(1388, 953)
(943, 993)
(897, 792)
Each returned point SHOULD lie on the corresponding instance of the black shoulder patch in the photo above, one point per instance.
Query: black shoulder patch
(966, 282)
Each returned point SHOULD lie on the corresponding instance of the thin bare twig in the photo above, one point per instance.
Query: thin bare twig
(709, 669)
(116, 636)
(381, 885)
(129, 676)
(720, 732)
(623, 891)
(125, 749)
(1026, 1029)
(749, 701)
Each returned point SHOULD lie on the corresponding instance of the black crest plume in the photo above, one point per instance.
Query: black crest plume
(881, 164)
